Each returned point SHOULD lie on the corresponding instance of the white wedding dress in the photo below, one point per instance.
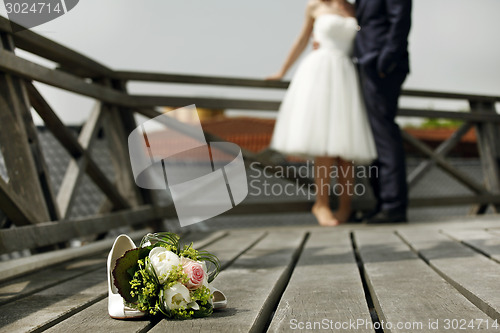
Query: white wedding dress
(322, 113)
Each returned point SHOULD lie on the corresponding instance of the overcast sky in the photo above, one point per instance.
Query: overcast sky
(453, 43)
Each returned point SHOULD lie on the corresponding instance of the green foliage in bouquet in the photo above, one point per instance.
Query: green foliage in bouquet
(144, 287)
(125, 268)
(168, 240)
(138, 282)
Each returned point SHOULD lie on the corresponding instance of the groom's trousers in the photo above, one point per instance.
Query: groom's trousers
(381, 98)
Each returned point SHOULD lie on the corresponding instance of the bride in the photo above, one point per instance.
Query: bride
(322, 114)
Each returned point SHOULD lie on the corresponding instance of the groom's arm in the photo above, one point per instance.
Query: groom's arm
(399, 16)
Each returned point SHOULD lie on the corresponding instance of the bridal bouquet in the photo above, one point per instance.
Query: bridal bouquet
(160, 276)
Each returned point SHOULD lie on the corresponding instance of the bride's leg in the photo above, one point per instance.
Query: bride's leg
(321, 208)
(346, 182)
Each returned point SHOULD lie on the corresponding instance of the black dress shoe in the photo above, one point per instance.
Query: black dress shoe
(356, 217)
(370, 214)
(387, 216)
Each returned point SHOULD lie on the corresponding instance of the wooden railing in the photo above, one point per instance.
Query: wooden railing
(29, 201)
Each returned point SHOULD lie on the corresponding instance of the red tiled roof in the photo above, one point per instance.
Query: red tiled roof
(254, 134)
(440, 134)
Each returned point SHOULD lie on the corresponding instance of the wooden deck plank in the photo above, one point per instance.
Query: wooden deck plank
(462, 267)
(21, 266)
(253, 285)
(234, 245)
(481, 240)
(495, 231)
(405, 289)
(258, 273)
(47, 307)
(95, 317)
(203, 240)
(54, 304)
(42, 234)
(325, 285)
(45, 278)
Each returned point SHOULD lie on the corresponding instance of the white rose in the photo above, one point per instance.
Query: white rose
(163, 261)
(177, 296)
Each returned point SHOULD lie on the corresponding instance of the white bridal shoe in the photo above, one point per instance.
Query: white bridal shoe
(116, 308)
(220, 300)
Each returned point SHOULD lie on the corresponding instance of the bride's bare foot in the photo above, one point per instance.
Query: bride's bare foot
(324, 215)
(341, 216)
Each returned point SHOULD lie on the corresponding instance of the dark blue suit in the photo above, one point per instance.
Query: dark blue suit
(382, 52)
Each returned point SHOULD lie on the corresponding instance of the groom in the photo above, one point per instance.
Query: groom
(382, 52)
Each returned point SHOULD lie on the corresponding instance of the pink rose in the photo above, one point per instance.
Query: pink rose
(194, 271)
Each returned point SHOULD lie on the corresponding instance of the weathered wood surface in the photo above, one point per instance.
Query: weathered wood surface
(442, 150)
(495, 231)
(25, 117)
(43, 234)
(255, 281)
(465, 116)
(31, 71)
(22, 266)
(95, 318)
(46, 48)
(485, 242)
(49, 277)
(108, 87)
(14, 206)
(404, 288)
(198, 79)
(77, 148)
(29, 237)
(488, 138)
(325, 285)
(78, 165)
(460, 266)
(117, 125)
(231, 81)
(19, 155)
(46, 307)
(281, 278)
(445, 165)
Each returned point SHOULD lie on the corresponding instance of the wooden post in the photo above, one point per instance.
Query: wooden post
(445, 165)
(74, 145)
(118, 124)
(488, 138)
(28, 174)
(444, 148)
(77, 166)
